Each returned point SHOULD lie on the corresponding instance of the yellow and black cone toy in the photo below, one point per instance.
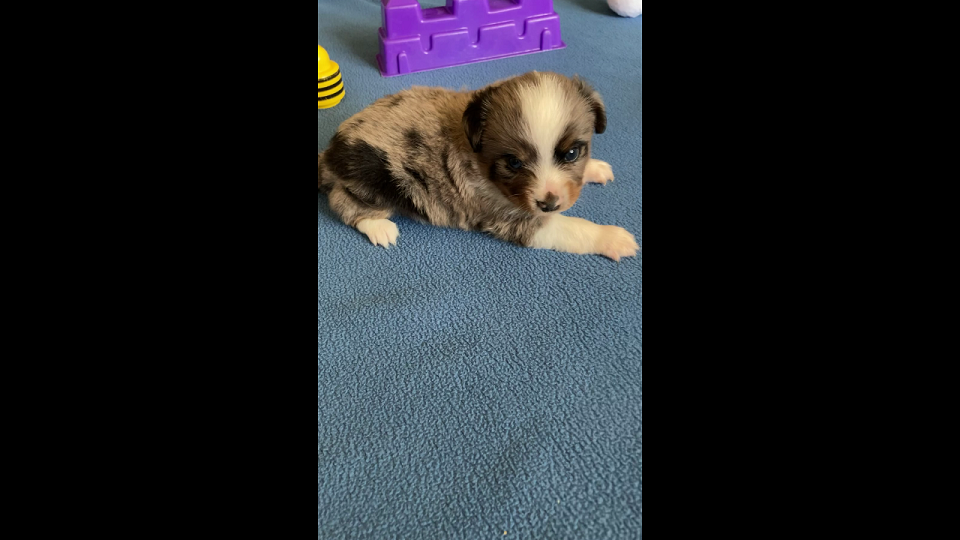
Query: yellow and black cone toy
(329, 81)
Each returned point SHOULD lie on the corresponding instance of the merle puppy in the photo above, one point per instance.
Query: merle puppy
(505, 160)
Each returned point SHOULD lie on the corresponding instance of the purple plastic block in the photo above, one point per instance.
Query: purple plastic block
(414, 39)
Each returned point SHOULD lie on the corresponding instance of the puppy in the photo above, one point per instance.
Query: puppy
(505, 160)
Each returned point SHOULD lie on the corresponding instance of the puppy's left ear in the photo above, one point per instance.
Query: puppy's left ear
(596, 103)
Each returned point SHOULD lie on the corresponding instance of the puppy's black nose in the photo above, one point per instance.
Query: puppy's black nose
(552, 204)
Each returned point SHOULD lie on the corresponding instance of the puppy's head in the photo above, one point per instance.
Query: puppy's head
(533, 136)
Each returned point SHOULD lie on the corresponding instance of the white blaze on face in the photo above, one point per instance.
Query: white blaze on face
(546, 109)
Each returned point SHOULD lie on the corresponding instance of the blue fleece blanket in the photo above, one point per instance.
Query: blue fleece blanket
(468, 388)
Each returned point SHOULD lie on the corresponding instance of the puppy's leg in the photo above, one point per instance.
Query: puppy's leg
(598, 172)
(575, 235)
(381, 232)
(371, 221)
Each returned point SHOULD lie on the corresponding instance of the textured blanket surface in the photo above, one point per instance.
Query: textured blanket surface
(468, 388)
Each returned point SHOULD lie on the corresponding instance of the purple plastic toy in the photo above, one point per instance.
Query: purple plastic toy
(414, 39)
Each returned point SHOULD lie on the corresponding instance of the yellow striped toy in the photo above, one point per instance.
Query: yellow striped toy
(329, 81)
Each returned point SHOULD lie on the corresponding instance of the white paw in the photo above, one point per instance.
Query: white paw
(615, 243)
(598, 172)
(381, 232)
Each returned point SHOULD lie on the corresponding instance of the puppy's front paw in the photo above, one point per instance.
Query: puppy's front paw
(381, 232)
(598, 172)
(615, 243)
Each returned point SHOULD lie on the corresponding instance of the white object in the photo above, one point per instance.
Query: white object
(627, 8)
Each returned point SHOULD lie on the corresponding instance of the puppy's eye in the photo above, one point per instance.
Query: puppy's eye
(515, 163)
(572, 155)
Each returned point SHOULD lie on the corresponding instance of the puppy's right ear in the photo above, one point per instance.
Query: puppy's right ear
(475, 118)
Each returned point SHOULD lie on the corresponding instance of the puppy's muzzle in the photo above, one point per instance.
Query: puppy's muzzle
(551, 204)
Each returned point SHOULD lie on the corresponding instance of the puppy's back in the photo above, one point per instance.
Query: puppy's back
(390, 122)
(407, 152)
